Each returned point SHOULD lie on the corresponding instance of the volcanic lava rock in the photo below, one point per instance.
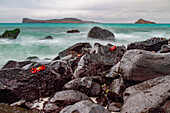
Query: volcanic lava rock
(48, 38)
(114, 107)
(11, 34)
(102, 100)
(116, 90)
(99, 33)
(113, 71)
(80, 84)
(147, 96)
(11, 64)
(166, 106)
(17, 83)
(75, 48)
(15, 64)
(51, 108)
(100, 59)
(63, 68)
(67, 97)
(165, 49)
(85, 106)
(85, 85)
(95, 90)
(153, 44)
(142, 21)
(5, 108)
(140, 65)
(73, 31)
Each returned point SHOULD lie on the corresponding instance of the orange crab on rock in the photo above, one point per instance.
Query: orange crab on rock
(112, 48)
(38, 69)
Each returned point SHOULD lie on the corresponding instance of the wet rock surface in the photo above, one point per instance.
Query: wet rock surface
(15, 64)
(153, 44)
(114, 107)
(100, 59)
(77, 49)
(102, 100)
(48, 38)
(67, 97)
(84, 107)
(73, 31)
(99, 33)
(17, 84)
(165, 49)
(155, 92)
(10, 34)
(81, 84)
(5, 108)
(116, 90)
(140, 65)
(51, 108)
(120, 80)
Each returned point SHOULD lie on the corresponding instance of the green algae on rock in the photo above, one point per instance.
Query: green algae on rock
(11, 34)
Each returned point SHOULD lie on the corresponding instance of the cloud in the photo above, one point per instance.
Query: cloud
(96, 10)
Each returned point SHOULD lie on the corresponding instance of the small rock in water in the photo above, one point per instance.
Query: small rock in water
(11, 34)
(32, 58)
(73, 31)
(48, 38)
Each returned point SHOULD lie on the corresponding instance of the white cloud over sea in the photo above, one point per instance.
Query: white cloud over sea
(115, 11)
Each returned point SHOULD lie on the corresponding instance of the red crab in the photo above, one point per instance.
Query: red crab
(112, 48)
(38, 69)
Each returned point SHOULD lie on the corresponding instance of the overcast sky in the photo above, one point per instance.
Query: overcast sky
(115, 11)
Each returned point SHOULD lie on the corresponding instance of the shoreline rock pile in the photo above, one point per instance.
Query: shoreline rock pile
(133, 80)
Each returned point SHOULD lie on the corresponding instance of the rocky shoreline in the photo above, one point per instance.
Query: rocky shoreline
(135, 79)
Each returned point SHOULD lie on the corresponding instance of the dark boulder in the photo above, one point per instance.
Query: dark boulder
(67, 97)
(140, 65)
(147, 96)
(165, 49)
(85, 85)
(17, 83)
(85, 106)
(15, 64)
(11, 34)
(77, 48)
(80, 84)
(113, 73)
(102, 100)
(99, 61)
(5, 108)
(11, 64)
(153, 44)
(73, 31)
(63, 68)
(116, 90)
(95, 90)
(99, 33)
(48, 38)
(114, 107)
(51, 108)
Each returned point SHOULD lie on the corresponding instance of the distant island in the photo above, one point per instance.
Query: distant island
(142, 21)
(64, 20)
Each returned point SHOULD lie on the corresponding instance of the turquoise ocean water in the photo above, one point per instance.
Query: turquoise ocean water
(29, 41)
